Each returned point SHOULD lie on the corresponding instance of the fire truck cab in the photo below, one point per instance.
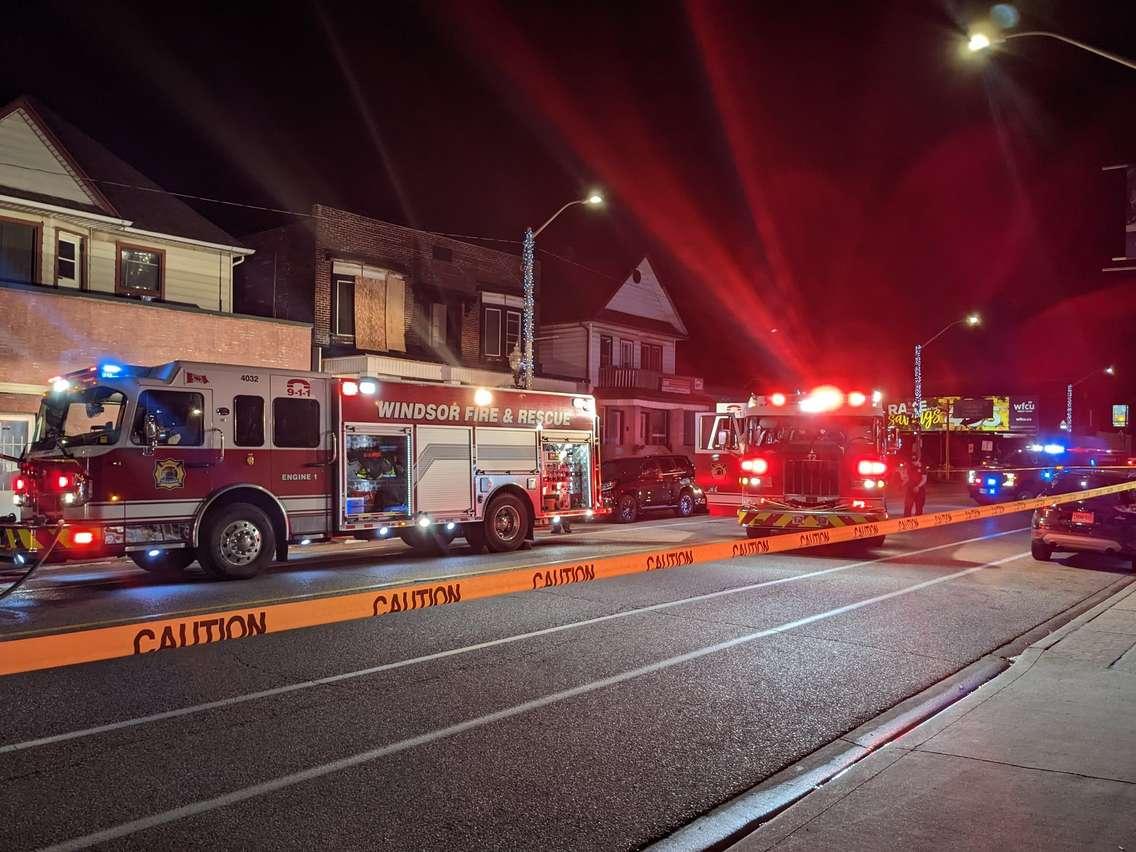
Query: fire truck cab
(229, 465)
(796, 462)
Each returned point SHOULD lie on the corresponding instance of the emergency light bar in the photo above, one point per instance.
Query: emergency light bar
(820, 400)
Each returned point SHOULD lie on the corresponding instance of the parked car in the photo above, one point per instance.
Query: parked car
(1098, 525)
(631, 486)
(1030, 470)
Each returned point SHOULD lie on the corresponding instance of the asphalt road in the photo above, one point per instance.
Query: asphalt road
(594, 716)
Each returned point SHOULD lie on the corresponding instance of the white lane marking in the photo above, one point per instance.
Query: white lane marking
(440, 655)
(284, 781)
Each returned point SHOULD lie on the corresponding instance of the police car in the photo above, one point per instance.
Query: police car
(1030, 470)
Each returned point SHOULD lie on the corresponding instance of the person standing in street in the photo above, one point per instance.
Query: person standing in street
(914, 487)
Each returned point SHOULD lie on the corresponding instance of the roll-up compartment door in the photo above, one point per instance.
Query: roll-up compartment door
(443, 469)
(502, 450)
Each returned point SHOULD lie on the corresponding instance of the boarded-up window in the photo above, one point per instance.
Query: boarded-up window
(380, 313)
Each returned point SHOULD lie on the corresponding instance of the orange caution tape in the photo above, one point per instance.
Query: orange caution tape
(163, 634)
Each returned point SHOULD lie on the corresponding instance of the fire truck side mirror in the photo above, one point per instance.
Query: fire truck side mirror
(151, 433)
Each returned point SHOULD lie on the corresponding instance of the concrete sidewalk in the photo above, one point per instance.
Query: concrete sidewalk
(1041, 757)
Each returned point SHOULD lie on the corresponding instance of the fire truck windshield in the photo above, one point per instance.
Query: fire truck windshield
(840, 431)
(79, 417)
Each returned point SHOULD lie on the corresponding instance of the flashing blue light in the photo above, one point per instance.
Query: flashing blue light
(1047, 474)
(991, 483)
(110, 371)
(1035, 448)
(1092, 462)
(1054, 449)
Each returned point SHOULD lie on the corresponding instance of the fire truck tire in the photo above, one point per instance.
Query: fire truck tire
(475, 537)
(237, 542)
(426, 542)
(170, 563)
(627, 510)
(506, 523)
(685, 507)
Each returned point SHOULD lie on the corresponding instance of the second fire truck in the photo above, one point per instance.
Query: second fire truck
(796, 462)
(229, 465)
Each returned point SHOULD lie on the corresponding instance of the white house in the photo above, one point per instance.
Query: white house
(622, 339)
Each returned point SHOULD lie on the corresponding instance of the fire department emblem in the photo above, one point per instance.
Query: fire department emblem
(169, 474)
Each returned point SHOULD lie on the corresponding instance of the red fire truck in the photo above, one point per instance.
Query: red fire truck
(794, 462)
(229, 465)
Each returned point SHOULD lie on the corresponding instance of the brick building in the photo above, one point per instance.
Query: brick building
(621, 338)
(96, 261)
(387, 300)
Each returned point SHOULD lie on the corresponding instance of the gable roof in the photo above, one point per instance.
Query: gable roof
(638, 301)
(49, 160)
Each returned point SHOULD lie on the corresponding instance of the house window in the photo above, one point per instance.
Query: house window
(438, 326)
(68, 259)
(140, 271)
(18, 254)
(651, 357)
(688, 438)
(512, 330)
(627, 353)
(653, 423)
(343, 289)
(605, 350)
(444, 254)
(613, 425)
(500, 331)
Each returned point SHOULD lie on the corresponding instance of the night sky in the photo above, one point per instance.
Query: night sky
(837, 171)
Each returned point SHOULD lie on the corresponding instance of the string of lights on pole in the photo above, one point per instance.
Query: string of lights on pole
(524, 357)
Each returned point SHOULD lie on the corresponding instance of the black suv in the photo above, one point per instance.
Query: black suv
(653, 482)
(1029, 471)
(1099, 525)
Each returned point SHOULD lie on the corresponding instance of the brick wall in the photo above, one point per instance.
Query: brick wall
(456, 282)
(44, 333)
(277, 280)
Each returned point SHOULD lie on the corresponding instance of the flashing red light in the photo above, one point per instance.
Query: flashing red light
(857, 398)
(350, 388)
(777, 399)
(19, 484)
(758, 466)
(83, 537)
(858, 504)
(824, 398)
(64, 481)
(870, 467)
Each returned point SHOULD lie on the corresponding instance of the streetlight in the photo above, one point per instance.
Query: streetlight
(970, 320)
(1110, 370)
(528, 258)
(980, 41)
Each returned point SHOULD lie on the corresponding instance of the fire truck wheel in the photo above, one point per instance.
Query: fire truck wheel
(475, 537)
(628, 509)
(237, 542)
(426, 542)
(685, 507)
(169, 563)
(506, 523)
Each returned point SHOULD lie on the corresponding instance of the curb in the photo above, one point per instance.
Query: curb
(739, 817)
(731, 821)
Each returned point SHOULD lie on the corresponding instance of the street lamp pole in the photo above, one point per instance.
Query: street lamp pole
(1108, 371)
(980, 41)
(528, 261)
(971, 320)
